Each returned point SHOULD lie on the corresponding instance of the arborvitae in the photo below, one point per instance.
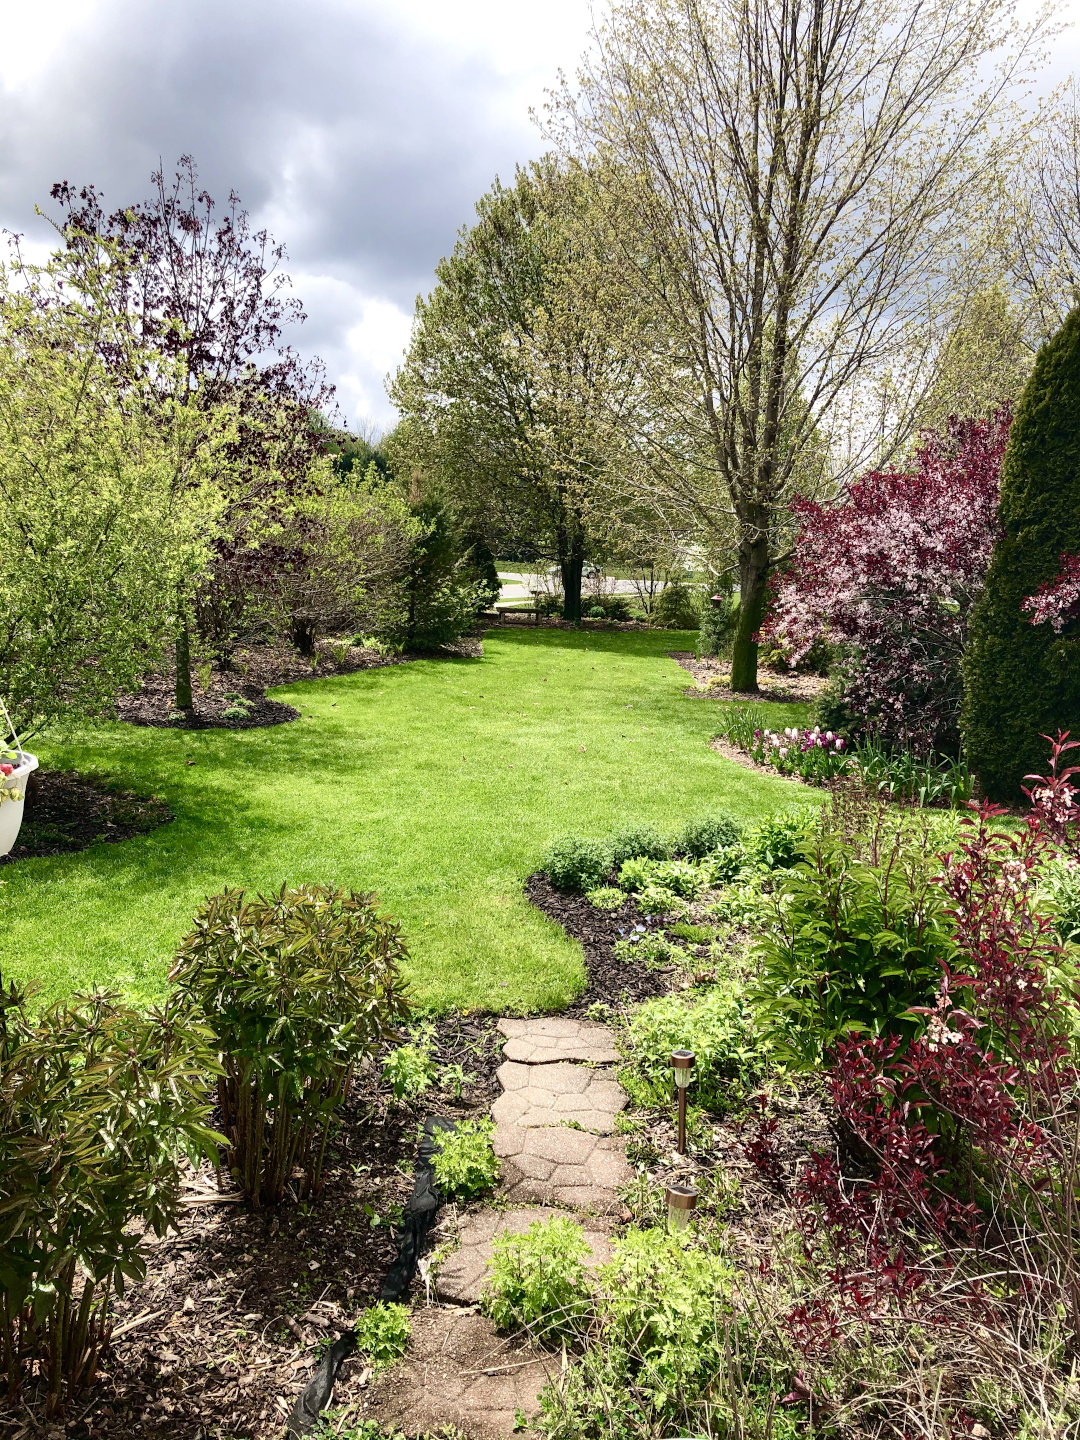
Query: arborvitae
(1022, 681)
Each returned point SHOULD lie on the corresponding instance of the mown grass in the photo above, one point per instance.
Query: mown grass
(438, 784)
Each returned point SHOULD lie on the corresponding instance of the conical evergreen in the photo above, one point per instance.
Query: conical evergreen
(1022, 681)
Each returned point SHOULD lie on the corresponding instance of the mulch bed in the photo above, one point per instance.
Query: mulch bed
(225, 1330)
(617, 983)
(711, 683)
(66, 811)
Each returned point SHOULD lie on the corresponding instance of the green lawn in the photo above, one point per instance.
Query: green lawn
(437, 783)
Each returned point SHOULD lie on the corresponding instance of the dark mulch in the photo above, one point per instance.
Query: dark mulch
(617, 983)
(226, 1328)
(66, 811)
(242, 687)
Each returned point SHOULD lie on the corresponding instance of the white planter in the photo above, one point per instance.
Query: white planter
(11, 811)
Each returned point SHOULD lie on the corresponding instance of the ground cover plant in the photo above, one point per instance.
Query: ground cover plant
(369, 791)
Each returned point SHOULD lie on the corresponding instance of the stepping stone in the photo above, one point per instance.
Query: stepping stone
(554, 1165)
(553, 1094)
(458, 1373)
(462, 1275)
(544, 1041)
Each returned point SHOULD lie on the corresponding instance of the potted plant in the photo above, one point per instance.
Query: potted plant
(15, 768)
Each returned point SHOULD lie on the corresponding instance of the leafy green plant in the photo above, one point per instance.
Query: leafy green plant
(717, 1026)
(454, 1079)
(409, 1070)
(606, 897)
(637, 842)
(651, 949)
(694, 934)
(97, 1103)
(538, 1280)
(659, 900)
(1059, 896)
(465, 1165)
(575, 864)
(859, 934)
(776, 843)
(382, 1333)
(703, 836)
(680, 876)
(296, 989)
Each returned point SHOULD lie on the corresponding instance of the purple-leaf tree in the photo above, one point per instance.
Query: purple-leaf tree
(1058, 601)
(890, 573)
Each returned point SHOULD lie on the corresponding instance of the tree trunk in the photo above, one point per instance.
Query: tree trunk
(184, 699)
(571, 564)
(753, 578)
(303, 636)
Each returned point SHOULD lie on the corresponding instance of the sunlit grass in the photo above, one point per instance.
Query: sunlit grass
(437, 783)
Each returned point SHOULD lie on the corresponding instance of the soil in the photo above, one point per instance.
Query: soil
(712, 677)
(747, 761)
(66, 811)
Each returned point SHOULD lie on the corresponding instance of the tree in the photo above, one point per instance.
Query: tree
(491, 392)
(782, 187)
(891, 574)
(207, 291)
(1022, 676)
(984, 364)
(108, 490)
(439, 594)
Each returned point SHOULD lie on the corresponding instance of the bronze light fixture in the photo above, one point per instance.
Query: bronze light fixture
(682, 1062)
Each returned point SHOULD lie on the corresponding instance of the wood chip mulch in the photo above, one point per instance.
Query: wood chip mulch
(66, 812)
(229, 1323)
(711, 679)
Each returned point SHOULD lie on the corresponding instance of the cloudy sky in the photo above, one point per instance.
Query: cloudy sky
(361, 132)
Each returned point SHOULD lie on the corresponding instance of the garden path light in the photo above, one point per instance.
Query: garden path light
(682, 1062)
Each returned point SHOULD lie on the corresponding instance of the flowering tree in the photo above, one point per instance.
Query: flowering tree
(1058, 601)
(890, 574)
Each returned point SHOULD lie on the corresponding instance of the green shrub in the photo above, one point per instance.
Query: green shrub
(724, 866)
(635, 874)
(653, 950)
(717, 1027)
(1059, 896)
(859, 937)
(663, 1303)
(656, 899)
(776, 843)
(409, 1069)
(97, 1104)
(538, 1279)
(607, 897)
(296, 989)
(1022, 681)
(678, 606)
(640, 842)
(576, 864)
(382, 1333)
(717, 627)
(464, 1163)
(678, 876)
(712, 832)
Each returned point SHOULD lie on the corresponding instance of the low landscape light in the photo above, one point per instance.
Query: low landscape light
(682, 1062)
(681, 1199)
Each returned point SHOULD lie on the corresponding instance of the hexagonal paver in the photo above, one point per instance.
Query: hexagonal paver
(553, 1094)
(545, 1041)
(554, 1165)
(462, 1274)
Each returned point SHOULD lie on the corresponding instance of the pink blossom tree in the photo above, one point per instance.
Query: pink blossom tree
(1059, 601)
(889, 575)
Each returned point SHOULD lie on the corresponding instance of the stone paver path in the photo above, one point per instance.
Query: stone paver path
(536, 1095)
(462, 1274)
(562, 1167)
(544, 1041)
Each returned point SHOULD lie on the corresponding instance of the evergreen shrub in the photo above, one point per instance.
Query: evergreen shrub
(1022, 680)
(574, 863)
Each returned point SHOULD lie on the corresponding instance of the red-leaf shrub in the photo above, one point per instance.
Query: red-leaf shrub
(890, 574)
(973, 1131)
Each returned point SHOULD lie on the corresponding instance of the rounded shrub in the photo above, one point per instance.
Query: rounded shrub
(1022, 681)
(573, 863)
(639, 842)
(710, 832)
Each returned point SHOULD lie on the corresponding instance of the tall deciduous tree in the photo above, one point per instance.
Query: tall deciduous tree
(782, 187)
(203, 288)
(110, 495)
(495, 399)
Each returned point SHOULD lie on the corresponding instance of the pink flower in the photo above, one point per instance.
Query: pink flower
(6, 769)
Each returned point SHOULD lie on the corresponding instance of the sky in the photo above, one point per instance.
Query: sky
(360, 132)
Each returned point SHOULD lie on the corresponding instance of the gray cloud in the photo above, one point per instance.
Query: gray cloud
(363, 149)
